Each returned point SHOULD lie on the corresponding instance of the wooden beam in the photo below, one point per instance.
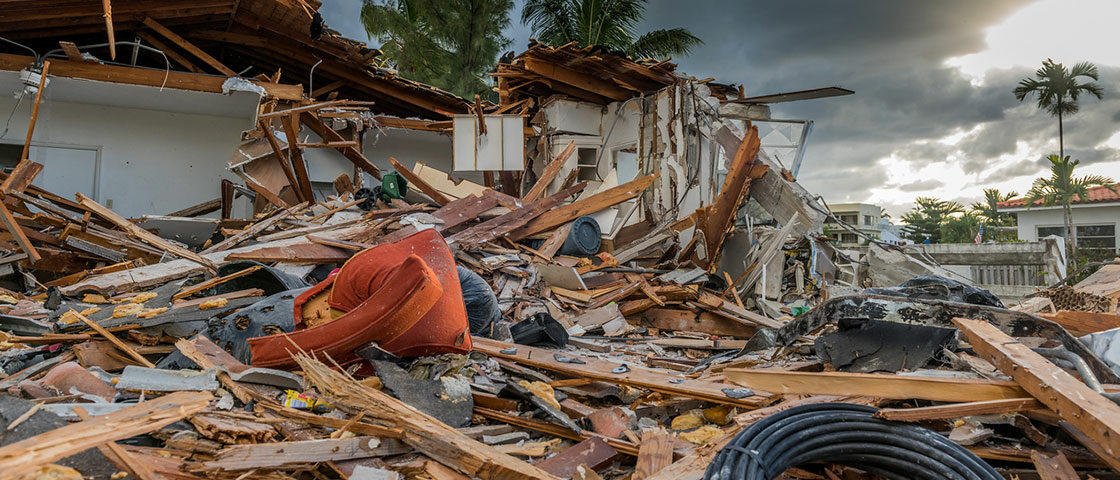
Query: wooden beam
(170, 52)
(329, 135)
(143, 235)
(304, 108)
(874, 385)
(186, 292)
(549, 173)
(603, 370)
(255, 229)
(553, 429)
(561, 215)
(500, 225)
(108, 13)
(188, 46)
(199, 209)
(144, 76)
(280, 454)
(419, 183)
(720, 218)
(299, 168)
(576, 79)
(1081, 323)
(269, 195)
(959, 410)
(117, 453)
(21, 457)
(1071, 399)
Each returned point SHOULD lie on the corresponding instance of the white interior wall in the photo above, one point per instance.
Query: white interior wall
(154, 157)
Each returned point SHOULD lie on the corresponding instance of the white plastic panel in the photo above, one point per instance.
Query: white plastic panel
(501, 148)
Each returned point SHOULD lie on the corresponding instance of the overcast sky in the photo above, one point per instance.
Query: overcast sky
(933, 113)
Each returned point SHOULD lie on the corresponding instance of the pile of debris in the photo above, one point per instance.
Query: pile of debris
(654, 301)
(256, 356)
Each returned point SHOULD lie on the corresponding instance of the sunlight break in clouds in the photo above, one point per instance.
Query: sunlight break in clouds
(1066, 30)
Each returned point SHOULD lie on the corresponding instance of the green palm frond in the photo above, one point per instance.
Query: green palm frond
(664, 43)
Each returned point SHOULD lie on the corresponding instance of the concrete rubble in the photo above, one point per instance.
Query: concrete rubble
(636, 289)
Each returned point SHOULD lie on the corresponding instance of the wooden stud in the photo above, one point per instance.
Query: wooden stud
(329, 135)
(188, 291)
(35, 109)
(299, 168)
(330, 87)
(188, 46)
(17, 232)
(107, 10)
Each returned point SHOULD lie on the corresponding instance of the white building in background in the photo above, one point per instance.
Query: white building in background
(865, 217)
(1096, 219)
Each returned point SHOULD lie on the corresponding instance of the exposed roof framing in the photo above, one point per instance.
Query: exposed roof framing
(590, 74)
(250, 37)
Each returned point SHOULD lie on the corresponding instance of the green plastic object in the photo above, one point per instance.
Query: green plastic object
(798, 311)
(393, 185)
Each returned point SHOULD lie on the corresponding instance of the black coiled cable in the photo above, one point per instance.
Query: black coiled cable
(844, 434)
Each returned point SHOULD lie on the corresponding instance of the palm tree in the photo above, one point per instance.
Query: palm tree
(1062, 188)
(988, 209)
(606, 23)
(450, 44)
(1058, 90)
(925, 219)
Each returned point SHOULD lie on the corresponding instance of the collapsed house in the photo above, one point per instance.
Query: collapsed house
(612, 272)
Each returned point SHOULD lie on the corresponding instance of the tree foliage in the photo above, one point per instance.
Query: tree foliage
(451, 44)
(960, 228)
(1063, 188)
(608, 23)
(1058, 89)
(925, 219)
(990, 215)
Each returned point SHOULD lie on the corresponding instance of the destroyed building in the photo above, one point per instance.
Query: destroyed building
(235, 246)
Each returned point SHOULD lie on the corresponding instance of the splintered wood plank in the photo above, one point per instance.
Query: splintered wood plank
(1075, 402)
(419, 183)
(874, 385)
(35, 111)
(186, 292)
(280, 454)
(655, 454)
(561, 215)
(1083, 323)
(300, 253)
(112, 338)
(1053, 466)
(21, 177)
(71, 50)
(498, 226)
(285, 163)
(424, 433)
(959, 410)
(549, 173)
(139, 233)
(23, 456)
(188, 46)
(453, 214)
(689, 321)
(637, 376)
(721, 213)
(135, 467)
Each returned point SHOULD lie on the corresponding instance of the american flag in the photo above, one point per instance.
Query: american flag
(979, 235)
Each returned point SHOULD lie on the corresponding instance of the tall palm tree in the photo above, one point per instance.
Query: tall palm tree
(1062, 188)
(1058, 90)
(451, 44)
(608, 23)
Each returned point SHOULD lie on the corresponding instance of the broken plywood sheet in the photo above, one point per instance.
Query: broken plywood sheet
(454, 189)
